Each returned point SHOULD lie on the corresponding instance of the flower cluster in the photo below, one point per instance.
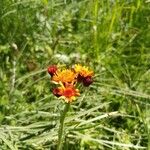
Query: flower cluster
(67, 79)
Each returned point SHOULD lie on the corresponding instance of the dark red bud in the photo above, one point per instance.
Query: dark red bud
(87, 81)
(56, 92)
(80, 78)
(52, 70)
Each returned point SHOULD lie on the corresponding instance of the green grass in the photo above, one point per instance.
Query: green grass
(111, 37)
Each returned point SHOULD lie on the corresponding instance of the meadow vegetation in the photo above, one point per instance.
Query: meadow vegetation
(112, 37)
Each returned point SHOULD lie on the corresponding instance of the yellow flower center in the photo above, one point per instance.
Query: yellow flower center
(64, 76)
(83, 71)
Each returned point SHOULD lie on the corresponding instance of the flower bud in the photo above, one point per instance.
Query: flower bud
(87, 81)
(52, 70)
(56, 92)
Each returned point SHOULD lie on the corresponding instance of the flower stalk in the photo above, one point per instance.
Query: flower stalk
(61, 126)
(66, 81)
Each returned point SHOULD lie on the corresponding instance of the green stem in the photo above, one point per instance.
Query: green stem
(61, 127)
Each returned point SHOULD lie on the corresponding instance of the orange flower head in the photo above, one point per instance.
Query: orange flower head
(84, 75)
(64, 76)
(83, 71)
(52, 70)
(68, 93)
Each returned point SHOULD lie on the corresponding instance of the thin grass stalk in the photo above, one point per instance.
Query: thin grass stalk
(61, 127)
(95, 34)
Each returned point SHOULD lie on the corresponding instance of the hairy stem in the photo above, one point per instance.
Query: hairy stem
(61, 127)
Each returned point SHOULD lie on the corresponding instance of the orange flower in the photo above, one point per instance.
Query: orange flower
(84, 75)
(83, 71)
(64, 76)
(67, 79)
(68, 93)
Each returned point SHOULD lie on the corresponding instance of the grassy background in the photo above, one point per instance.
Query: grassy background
(110, 36)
